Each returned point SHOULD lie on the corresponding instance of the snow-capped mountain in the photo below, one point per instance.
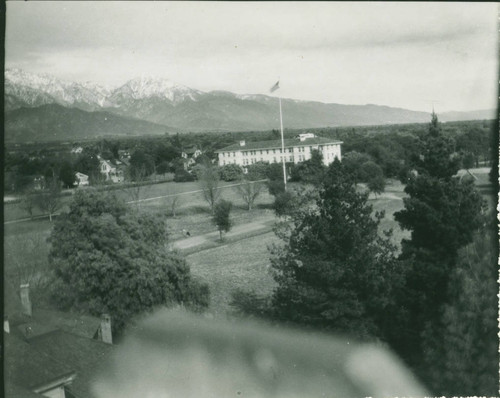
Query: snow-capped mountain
(148, 87)
(165, 103)
(28, 89)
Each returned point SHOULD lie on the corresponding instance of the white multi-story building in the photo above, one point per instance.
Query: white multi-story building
(297, 150)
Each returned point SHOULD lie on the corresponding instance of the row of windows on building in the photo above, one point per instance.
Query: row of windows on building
(274, 151)
(274, 160)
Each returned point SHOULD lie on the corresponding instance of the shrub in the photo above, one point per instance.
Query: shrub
(230, 172)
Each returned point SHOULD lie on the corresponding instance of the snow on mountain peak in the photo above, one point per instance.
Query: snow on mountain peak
(148, 87)
(29, 86)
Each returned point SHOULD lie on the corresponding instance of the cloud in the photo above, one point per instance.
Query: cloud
(335, 52)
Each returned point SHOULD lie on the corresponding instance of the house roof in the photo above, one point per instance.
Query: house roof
(13, 390)
(291, 142)
(85, 356)
(191, 150)
(77, 324)
(30, 368)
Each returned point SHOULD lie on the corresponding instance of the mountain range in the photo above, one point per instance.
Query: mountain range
(42, 107)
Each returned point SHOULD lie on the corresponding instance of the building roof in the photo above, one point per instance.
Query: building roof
(29, 368)
(77, 324)
(85, 356)
(191, 150)
(54, 358)
(12, 390)
(291, 142)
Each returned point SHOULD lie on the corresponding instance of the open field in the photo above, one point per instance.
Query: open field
(243, 264)
(390, 201)
(239, 262)
(13, 211)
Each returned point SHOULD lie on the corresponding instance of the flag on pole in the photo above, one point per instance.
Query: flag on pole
(275, 87)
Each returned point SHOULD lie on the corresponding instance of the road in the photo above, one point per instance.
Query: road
(188, 243)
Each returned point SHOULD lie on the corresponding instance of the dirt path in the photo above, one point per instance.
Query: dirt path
(263, 224)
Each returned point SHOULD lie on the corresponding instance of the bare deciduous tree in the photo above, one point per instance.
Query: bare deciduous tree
(28, 203)
(249, 191)
(138, 175)
(173, 202)
(50, 200)
(208, 178)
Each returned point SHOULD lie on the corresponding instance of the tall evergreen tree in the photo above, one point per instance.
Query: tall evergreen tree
(335, 272)
(461, 356)
(442, 214)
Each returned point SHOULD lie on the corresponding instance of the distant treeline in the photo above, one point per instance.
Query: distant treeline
(389, 146)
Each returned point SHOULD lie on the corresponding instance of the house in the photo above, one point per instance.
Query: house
(123, 154)
(39, 183)
(296, 150)
(189, 155)
(77, 150)
(51, 353)
(81, 179)
(110, 171)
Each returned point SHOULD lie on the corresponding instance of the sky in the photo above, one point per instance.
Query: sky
(408, 55)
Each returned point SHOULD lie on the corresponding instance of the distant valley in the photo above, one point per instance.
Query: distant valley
(42, 107)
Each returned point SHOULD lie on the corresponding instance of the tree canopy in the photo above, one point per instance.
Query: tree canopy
(442, 213)
(310, 171)
(334, 271)
(461, 356)
(208, 178)
(221, 219)
(105, 257)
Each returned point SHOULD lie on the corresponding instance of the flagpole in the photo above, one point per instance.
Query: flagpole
(282, 145)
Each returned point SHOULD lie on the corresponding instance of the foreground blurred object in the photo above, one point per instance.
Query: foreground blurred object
(175, 354)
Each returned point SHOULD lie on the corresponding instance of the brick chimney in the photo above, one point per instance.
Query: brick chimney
(25, 299)
(6, 325)
(106, 335)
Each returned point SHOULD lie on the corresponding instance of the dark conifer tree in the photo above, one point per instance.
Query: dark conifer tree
(335, 272)
(442, 213)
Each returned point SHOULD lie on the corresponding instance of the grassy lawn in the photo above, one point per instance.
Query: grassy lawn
(193, 212)
(243, 264)
(239, 264)
(13, 211)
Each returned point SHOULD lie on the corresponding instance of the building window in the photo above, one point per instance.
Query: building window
(274, 159)
(234, 154)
